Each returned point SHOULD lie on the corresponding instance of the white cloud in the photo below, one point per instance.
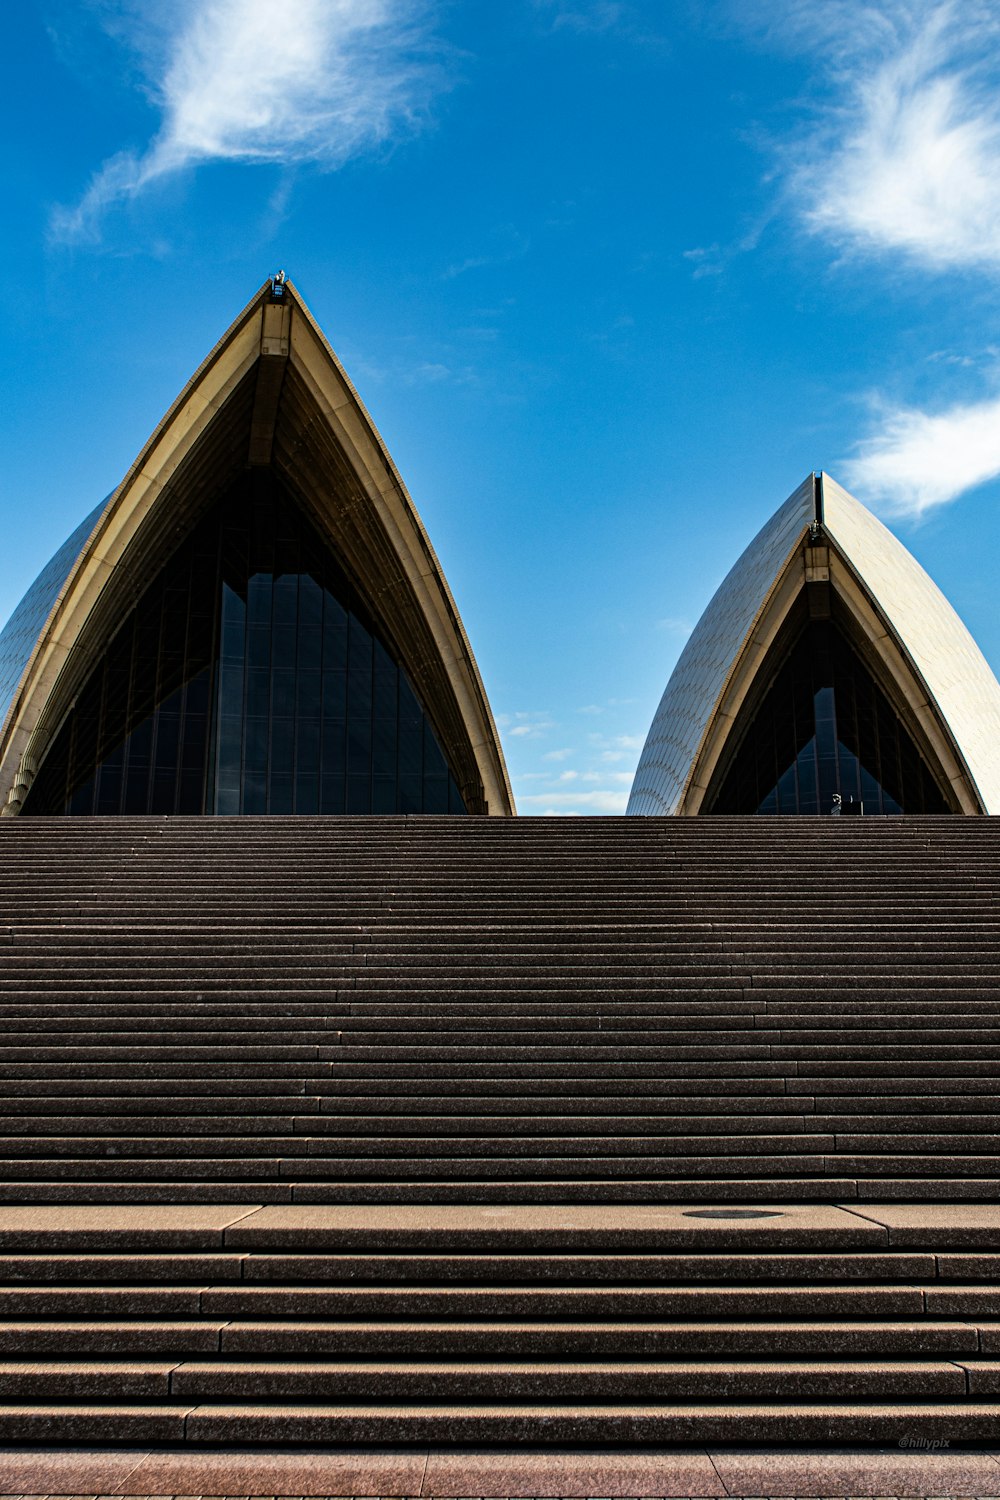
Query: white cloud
(526, 725)
(598, 801)
(245, 81)
(917, 459)
(617, 741)
(586, 15)
(675, 625)
(505, 244)
(706, 260)
(908, 158)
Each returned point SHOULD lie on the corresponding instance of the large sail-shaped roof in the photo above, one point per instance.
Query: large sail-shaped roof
(271, 395)
(924, 647)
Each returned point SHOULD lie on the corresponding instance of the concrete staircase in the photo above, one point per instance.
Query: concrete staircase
(463, 1130)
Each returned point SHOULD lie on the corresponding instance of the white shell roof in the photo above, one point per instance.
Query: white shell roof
(18, 636)
(956, 674)
(944, 656)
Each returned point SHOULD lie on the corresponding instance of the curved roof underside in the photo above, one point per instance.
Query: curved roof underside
(698, 680)
(271, 394)
(916, 624)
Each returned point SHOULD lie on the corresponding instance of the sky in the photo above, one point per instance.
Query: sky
(611, 276)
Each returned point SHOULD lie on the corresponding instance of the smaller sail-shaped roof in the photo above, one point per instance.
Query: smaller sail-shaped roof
(920, 648)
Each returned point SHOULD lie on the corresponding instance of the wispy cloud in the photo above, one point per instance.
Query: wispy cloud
(526, 724)
(907, 160)
(506, 243)
(917, 460)
(586, 770)
(567, 803)
(677, 625)
(245, 81)
(706, 260)
(584, 15)
(601, 19)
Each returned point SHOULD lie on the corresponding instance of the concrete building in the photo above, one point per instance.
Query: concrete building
(828, 673)
(254, 620)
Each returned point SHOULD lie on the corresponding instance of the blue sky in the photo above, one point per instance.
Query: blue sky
(611, 276)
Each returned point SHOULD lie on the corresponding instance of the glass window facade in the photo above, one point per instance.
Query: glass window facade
(250, 678)
(825, 730)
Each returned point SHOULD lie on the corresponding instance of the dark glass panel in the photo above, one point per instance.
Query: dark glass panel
(384, 747)
(307, 794)
(826, 730)
(359, 685)
(307, 743)
(331, 799)
(231, 689)
(283, 643)
(227, 801)
(255, 738)
(434, 761)
(384, 695)
(191, 795)
(281, 794)
(82, 800)
(259, 602)
(411, 749)
(359, 745)
(283, 693)
(286, 602)
(258, 693)
(308, 695)
(248, 679)
(197, 699)
(411, 794)
(163, 797)
(254, 792)
(359, 794)
(334, 641)
(310, 603)
(384, 794)
(109, 785)
(334, 690)
(410, 711)
(282, 747)
(168, 735)
(310, 648)
(334, 747)
(436, 794)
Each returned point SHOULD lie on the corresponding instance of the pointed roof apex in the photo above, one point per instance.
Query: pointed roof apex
(923, 647)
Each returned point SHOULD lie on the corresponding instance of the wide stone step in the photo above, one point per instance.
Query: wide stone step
(174, 1339)
(540, 1383)
(477, 1303)
(818, 1423)
(207, 1267)
(871, 1338)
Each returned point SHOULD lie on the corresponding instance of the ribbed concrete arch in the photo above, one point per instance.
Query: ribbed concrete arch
(271, 394)
(916, 643)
